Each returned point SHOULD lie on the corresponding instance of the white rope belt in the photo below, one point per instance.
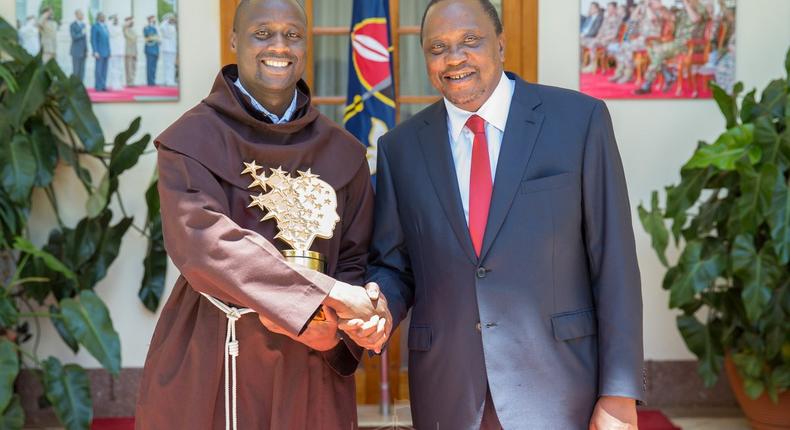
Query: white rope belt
(231, 352)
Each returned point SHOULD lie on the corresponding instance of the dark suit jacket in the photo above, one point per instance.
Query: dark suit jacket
(550, 315)
(79, 43)
(100, 39)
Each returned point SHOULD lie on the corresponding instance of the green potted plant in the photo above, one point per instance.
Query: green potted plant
(46, 121)
(730, 217)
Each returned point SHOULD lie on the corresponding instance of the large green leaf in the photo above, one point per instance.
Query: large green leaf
(704, 345)
(772, 101)
(758, 272)
(13, 417)
(107, 250)
(48, 259)
(67, 388)
(747, 107)
(155, 263)
(696, 273)
(99, 199)
(121, 138)
(78, 114)
(730, 147)
(60, 326)
(9, 369)
(757, 189)
(9, 42)
(766, 136)
(9, 315)
(45, 151)
(653, 223)
(726, 104)
(781, 376)
(779, 220)
(32, 94)
(89, 321)
(18, 168)
(128, 155)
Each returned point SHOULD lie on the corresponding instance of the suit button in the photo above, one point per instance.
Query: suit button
(481, 272)
(478, 327)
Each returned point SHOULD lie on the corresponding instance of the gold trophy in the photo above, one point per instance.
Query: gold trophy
(304, 207)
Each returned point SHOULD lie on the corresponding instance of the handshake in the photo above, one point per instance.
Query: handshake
(361, 313)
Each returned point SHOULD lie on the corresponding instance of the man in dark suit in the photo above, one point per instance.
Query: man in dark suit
(79, 45)
(100, 43)
(502, 221)
(151, 37)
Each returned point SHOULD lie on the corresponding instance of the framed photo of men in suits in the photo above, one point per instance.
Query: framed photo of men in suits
(656, 48)
(121, 50)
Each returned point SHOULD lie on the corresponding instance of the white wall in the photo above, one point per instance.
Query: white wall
(655, 138)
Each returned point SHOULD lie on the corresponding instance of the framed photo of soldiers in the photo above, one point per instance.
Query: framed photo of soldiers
(122, 50)
(656, 49)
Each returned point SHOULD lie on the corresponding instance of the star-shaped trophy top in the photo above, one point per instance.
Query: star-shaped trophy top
(303, 206)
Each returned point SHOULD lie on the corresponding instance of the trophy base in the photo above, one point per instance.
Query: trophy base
(311, 260)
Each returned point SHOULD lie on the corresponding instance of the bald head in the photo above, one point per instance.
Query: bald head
(244, 6)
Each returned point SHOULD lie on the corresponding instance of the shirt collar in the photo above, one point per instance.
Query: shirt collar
(259, 107)
(494, 111)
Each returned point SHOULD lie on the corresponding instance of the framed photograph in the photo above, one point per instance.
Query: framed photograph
(123, 50)
(656, 49)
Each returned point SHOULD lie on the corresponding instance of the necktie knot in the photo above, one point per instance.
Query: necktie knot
(476, 124)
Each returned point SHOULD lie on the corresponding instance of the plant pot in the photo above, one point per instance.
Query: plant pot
(762, 413)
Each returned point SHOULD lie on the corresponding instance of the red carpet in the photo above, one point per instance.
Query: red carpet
(597, 85)
(648, 420)
(135, 94)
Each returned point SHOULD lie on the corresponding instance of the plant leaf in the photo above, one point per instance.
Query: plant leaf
(773, 99)
(758, 282)
(653, 223)
(9, 369)
(696, 273)
(123, 137)
(57, 321)
(89, 321)
(779, 219)
(45, 151)
(18, 168)
(68, 390)
(726, 150)
(13, 417)
(155, 262)
(78, 113)
(757, 189)
(32, 94)
(8, 312)
(99, 199)
(699, 341)
(49, 260)
(747, 106)
(726, 104)
(753, 387)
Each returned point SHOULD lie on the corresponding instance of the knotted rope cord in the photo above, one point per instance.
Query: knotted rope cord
(231, 352)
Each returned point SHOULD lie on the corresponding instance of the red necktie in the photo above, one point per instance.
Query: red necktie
(480, 183)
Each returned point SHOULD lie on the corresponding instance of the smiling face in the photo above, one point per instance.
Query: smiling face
(463, 54)
(270, 45)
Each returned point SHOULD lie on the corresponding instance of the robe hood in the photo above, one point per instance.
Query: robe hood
(223, 131)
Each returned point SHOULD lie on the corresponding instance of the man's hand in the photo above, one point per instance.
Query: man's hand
(614, 413)
(371, 334)
(351, 302)
(319, 335)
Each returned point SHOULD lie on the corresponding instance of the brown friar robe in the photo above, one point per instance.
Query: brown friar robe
(221, 248)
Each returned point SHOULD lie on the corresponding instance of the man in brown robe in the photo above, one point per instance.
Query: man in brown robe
(293, 372)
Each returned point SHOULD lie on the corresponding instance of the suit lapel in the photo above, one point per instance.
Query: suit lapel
(521, 134)
(435, 146)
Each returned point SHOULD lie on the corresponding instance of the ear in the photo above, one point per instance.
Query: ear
(502, 42)
(233, 42)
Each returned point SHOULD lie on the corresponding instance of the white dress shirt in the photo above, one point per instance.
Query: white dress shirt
(494, 111)
(259, 107)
